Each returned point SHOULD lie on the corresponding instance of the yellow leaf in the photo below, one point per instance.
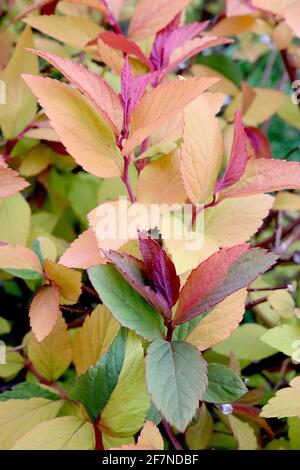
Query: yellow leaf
(218, 325)
(285, 201)
(285, 338)
(47, 248)
(160, 182)
(201, 150)
(125, 412)
(111, 57)
(20, 107)
(161, 104)
(286, 402)
(233, 25)
(76, 31)
(266, 102)
(68, 280)
(81, 129)
(228, 223)
(282, 35)
(109, 441)
(149, 439)
(94, 338)
(17, 417)
(283, 303)
(14, 220)
(290, 112)
(246, 343)
(36, 160)
(65, 433)
(243, 433)
(199, 435)
(14, 363)
(52, 356)
(223, 86)
(44, 311)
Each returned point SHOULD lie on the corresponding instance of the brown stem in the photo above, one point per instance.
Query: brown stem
(30, 367)
(262, 289)
(171, 435)
(253, 303)
(90, 291)
(77, 322)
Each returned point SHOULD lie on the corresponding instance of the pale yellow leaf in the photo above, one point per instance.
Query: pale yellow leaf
(17, 417)
(36, 160)
(285, 201)
(244, 433)
(65, 433)
(201, 150)
(285, 338)
(14, 362)
(52, 356)
(94, 338)
(75, 31)
(283, 303)
(218, 325)
(286, 402)
(81, 129)
(223, 86)
(246, 343)
(111, 57)
(149, 439)
(20, 106)
(14, 220)
(289, 111)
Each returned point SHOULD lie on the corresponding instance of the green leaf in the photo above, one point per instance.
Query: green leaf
(224, 385)
(5, 326)
(126, 305)
(153, 415)
(224, 65)
(14, 219)
(176, 377)
(28, 390)
(94, 388)
(28, 274)
(83, 194)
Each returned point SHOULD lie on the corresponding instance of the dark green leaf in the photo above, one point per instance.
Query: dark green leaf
(224, 385)
(28, 390)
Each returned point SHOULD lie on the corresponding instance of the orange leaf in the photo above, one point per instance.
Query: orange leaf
(83, 252)
(157, 106)
(114, 59)
(201, 150)
(102, 96)
(44, 310)
(84, 133)
(151, 17)
(265, 175)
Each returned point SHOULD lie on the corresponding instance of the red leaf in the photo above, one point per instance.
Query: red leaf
(259, 142)
(225, 272)
(133, 271)
(238, 157)
(121, 43)
(102, 96)
(159, 269)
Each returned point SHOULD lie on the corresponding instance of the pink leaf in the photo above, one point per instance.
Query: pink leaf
(10, 182)
(159, 269)
(238, 157)
(83, 252)
(224, 273)
(44, 310)
(93, 86)
(265, 175)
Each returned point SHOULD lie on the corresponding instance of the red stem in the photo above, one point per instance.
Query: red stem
(98, 437)
(171, 435)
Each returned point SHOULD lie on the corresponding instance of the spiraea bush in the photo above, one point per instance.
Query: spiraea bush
(124, 331)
